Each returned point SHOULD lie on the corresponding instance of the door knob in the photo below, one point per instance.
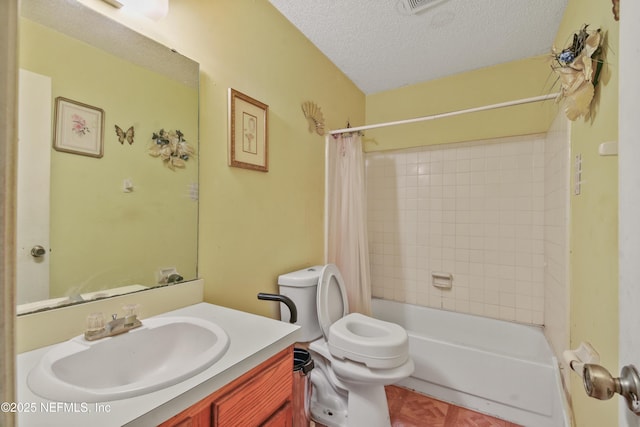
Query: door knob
(38, 251)
(600, 384)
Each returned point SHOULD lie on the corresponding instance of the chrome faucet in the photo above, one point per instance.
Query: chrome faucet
(96, 329)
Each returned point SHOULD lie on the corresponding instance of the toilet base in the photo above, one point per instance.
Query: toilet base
(328, 416)
(346, 394)
(368, 406)
(336, 402)
(329, 398)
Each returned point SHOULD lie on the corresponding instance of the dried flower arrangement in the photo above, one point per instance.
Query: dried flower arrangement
(171, 147)
(578, 67)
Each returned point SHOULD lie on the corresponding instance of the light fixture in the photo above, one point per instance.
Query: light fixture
(152, 9)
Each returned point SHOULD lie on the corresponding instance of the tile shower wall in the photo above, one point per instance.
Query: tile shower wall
(556, 235)
(472, 210)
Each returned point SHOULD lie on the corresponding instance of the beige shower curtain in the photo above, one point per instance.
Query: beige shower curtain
(346, 242)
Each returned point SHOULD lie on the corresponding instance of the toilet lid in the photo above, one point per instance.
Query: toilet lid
(331, 299)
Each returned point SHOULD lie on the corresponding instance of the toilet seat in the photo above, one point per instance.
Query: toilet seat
(331, 298)
(356, 337)
(376, 343)
(357, 373)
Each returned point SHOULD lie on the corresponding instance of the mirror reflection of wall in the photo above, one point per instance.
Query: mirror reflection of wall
(123, 218)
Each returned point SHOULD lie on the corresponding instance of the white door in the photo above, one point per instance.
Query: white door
(34, 153)
(629, 176)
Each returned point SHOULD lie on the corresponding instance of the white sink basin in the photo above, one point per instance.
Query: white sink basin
(161, 353)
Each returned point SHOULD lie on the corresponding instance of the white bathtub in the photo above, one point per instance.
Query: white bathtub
(499, 368)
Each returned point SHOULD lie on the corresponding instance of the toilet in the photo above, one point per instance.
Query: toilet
(355, 356)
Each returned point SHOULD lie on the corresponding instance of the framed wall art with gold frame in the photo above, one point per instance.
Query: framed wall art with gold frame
(79, 128)
(248, 132)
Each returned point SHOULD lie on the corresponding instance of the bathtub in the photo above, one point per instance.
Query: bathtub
(495, 367)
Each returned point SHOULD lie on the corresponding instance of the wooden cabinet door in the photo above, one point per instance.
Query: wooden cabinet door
(262, 393)
(260, 397)
(198, 415)
(282, 418)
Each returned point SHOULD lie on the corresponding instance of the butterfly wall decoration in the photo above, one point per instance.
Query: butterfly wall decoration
(122, 135)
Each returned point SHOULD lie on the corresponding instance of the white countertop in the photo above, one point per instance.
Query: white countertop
(253, 339)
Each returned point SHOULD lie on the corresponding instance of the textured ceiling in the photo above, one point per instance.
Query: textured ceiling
(379, 48)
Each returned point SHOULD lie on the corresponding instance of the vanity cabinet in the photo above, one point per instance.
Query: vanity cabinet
(260, 397)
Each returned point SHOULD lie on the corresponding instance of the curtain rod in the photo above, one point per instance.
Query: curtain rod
(449, 114)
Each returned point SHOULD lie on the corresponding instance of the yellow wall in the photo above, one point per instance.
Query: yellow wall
(501, 83)
(102, 237)
(254, 225)
(594, 222)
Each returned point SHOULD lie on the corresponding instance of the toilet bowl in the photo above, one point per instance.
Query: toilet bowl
(355, 355)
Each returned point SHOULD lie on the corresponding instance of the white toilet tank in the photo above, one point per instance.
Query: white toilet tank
(301, 287)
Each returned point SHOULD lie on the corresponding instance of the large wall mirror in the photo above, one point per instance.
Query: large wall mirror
(99, 213)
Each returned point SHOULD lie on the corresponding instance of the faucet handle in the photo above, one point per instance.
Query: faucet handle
(130, 313)
(130, 309)
(95, 322)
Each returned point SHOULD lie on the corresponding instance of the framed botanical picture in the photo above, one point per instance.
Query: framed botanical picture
(248, 132)
(79, 128)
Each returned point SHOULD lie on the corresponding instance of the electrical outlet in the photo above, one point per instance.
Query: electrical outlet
(163, 273)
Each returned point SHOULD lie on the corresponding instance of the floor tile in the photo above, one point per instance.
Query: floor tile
(411, 409)
(408, 408)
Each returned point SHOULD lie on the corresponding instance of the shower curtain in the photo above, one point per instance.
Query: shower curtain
(346, 242)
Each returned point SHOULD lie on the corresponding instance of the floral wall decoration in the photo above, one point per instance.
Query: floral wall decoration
(578, 67)
(171, 147)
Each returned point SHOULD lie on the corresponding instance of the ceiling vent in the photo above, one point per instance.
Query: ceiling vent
(413, 7)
